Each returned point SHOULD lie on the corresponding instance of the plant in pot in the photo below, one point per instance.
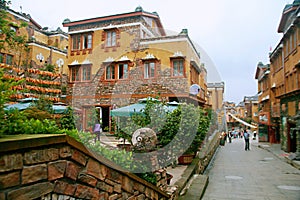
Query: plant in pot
(202, 128)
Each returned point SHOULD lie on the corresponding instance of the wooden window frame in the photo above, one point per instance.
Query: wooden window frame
(111, 38)
(149, 71)
(125, 71)
(1, 57)
(82, 42)
(87, 43)
(183, 67)
(76, 42)
(112, 71)
(7, 60)
(74, 72)
(80, 73)
(86, 72)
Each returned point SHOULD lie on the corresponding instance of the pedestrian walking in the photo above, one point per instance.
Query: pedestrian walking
(246, 137)
(97, 131)
(229, 136)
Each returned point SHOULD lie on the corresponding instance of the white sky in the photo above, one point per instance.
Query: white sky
(235, 34)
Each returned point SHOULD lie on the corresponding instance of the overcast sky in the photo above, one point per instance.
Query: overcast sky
(235, 34)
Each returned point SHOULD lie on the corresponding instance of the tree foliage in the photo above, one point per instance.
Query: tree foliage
(178, 132)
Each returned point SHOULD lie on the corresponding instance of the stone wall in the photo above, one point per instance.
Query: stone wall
(58, 167)
(199, 164)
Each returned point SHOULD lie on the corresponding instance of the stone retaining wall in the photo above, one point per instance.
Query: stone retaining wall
(58, 167)
(199, 164)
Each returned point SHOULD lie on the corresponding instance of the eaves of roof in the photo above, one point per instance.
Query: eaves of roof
(117, 16)
(287, 11)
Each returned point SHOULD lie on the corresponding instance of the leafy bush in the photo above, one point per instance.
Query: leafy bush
(178, 132)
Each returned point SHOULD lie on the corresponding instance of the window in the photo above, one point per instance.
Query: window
(9, 59)
(87, 41)
(117, 70)
(110, 72)
(149, 69)
(1, 57)
(178, 68)
(86, 73)
(194, 74)
(74, 71)
(111, 37)
(82, 41)
(80, 73)
(123, 71)
(76, 42)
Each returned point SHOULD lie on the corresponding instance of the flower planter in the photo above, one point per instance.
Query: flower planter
(186, 159)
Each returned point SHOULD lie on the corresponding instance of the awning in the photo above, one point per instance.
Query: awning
(138, 108)
(27, 102)
(241, 121)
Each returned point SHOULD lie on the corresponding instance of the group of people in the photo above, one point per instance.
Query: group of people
(242, 134)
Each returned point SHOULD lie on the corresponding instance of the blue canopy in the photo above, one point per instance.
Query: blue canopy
(27, 102)
(128, 111)
(137, 108)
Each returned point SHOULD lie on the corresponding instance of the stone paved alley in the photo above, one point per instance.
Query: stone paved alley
(256, 174)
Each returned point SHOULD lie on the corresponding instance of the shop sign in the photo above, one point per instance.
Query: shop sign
(264, 118)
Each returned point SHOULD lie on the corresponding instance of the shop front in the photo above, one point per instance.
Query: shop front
(264, 127)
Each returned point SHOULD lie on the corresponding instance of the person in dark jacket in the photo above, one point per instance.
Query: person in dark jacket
(246, 137)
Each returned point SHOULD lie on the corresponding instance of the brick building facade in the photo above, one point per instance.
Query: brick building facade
(279, 85)
(41, 47)
(115, 60)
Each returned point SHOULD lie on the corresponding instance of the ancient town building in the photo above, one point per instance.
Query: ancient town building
(27, 60)
(279, 85)
(116, 60)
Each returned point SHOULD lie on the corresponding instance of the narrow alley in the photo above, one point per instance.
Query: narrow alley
(256, 174)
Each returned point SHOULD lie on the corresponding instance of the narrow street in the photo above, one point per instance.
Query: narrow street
(256, 174)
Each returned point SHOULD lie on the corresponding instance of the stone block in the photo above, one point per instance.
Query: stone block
(117, 188)
(79, 157)
(127, 184)
(34, 173)
(35, 191)
(150, 194)
(10, 179)
(140, 197)
(64, 188)
(72, 170)
(85, 178)
(96, 169)
(40, 156)
(56, 169)
(125, 195)
(113, 197)
(105, 187)
(103, 196)
(110, 182)
(114, 175)
(132, 198)
(11, 162)
(65, 152)
(85, 192)
(139, 187)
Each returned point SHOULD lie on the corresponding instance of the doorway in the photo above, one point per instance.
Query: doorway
(105, 118)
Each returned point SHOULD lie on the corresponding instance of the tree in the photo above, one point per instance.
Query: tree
(6, 86)
(9, 39)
